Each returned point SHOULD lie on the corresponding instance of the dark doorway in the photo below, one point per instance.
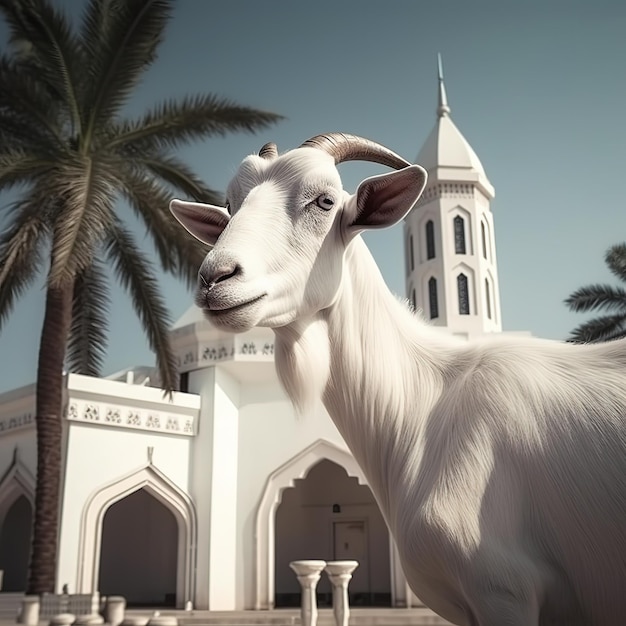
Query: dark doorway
(139, 553)
(15, 538)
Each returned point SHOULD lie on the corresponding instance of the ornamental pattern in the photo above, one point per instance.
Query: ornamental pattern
(113, 416)
(91, 413)
(153, 421)
(172, 424)
(215, 352)
(447, 190)
(127, 418)
(16, 421)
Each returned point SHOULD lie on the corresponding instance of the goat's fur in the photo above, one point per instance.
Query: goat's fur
(499, 464)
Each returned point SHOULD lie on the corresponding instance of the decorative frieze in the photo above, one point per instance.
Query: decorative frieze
(130, 417)
(447, 190)
(12, 423)
(231, 349)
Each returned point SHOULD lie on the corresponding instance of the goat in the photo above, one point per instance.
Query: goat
(499, 463)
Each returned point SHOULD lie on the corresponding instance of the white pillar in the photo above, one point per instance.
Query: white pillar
(308, 573)
(29, 612)
(340, 573)
(223, 530)
(214, 488)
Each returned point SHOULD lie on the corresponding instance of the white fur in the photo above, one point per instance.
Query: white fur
(499, 464)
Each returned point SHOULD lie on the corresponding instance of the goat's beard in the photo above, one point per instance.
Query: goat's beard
(303, 363)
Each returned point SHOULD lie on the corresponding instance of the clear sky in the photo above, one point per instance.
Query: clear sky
(537, 87)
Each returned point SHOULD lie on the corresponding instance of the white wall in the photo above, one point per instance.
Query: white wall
(98, 455)
(270, 434)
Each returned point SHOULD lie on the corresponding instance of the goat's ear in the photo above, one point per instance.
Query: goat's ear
(204, 221)
(382, 201)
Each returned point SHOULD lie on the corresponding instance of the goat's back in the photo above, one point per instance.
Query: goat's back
(552, 420)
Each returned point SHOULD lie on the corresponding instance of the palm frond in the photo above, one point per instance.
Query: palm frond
(597, 297)
(87, 343)
(18, 166)
(48, 47)
(181, 177)
(179, 253)
(171, 124)
(615, 258)
(132, 269)
(20, 255)
(86, 198)
(120, 45)
(26, 109)
(599, 329)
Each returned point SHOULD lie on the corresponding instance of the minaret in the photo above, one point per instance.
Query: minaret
(451, 269)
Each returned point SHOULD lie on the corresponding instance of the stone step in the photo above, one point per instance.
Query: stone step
(290, 617)
(9, 604)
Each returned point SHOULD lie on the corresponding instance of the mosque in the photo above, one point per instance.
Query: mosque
(209, 497)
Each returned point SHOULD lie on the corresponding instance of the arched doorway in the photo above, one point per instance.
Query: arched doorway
(328, 515)
(15, 539)
(139, 551)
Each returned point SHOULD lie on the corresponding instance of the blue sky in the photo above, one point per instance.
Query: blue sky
(538, 88)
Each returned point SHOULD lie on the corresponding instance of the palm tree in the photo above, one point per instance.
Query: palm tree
(71, 156)
(608, 298)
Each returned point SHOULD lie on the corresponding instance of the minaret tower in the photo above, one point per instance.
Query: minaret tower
(451, 269)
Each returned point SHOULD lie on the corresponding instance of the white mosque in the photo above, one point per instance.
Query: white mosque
(208, 498)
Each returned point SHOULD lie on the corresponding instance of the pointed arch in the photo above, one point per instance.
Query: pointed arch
(429, 231)
(157, 484)
(280, 479)
(483, 238)
(17, 481)
(459, 235)
(463, 294)
(433, 299)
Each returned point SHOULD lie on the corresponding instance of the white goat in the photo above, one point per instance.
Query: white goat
(499, 464)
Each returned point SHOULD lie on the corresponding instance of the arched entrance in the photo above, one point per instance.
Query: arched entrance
(155, 486)
(138, 557)
(328, 515)
(15, 539)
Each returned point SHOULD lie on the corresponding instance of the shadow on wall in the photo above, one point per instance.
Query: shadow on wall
(15, 540)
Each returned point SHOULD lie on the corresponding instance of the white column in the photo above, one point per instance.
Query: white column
(308, 573)
(215, 461)
(223, 530)
(340, 574)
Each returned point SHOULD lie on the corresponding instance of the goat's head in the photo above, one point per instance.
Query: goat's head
(279, 244)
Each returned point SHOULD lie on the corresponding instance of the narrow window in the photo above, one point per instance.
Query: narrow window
(432, 298)
(413, 301)
(488, 298)
(411, 253)
(407, 255)
(459, 235)
(484, 239)
(461, 283)
(430, 240)
(183, 384)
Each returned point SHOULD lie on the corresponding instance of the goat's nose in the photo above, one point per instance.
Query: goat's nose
(210, 276)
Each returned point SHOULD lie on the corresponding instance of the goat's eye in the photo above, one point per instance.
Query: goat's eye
(325, 202)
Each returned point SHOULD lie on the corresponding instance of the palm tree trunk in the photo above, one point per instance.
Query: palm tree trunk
(54, 334)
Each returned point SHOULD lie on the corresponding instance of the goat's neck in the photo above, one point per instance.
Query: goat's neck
(365, 355)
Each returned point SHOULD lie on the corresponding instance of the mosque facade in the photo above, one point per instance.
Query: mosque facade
(208, 497)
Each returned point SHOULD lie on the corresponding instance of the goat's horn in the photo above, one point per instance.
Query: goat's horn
(343, 147)
(269, 150)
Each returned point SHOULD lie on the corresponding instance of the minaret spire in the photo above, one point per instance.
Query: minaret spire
(443, 109)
